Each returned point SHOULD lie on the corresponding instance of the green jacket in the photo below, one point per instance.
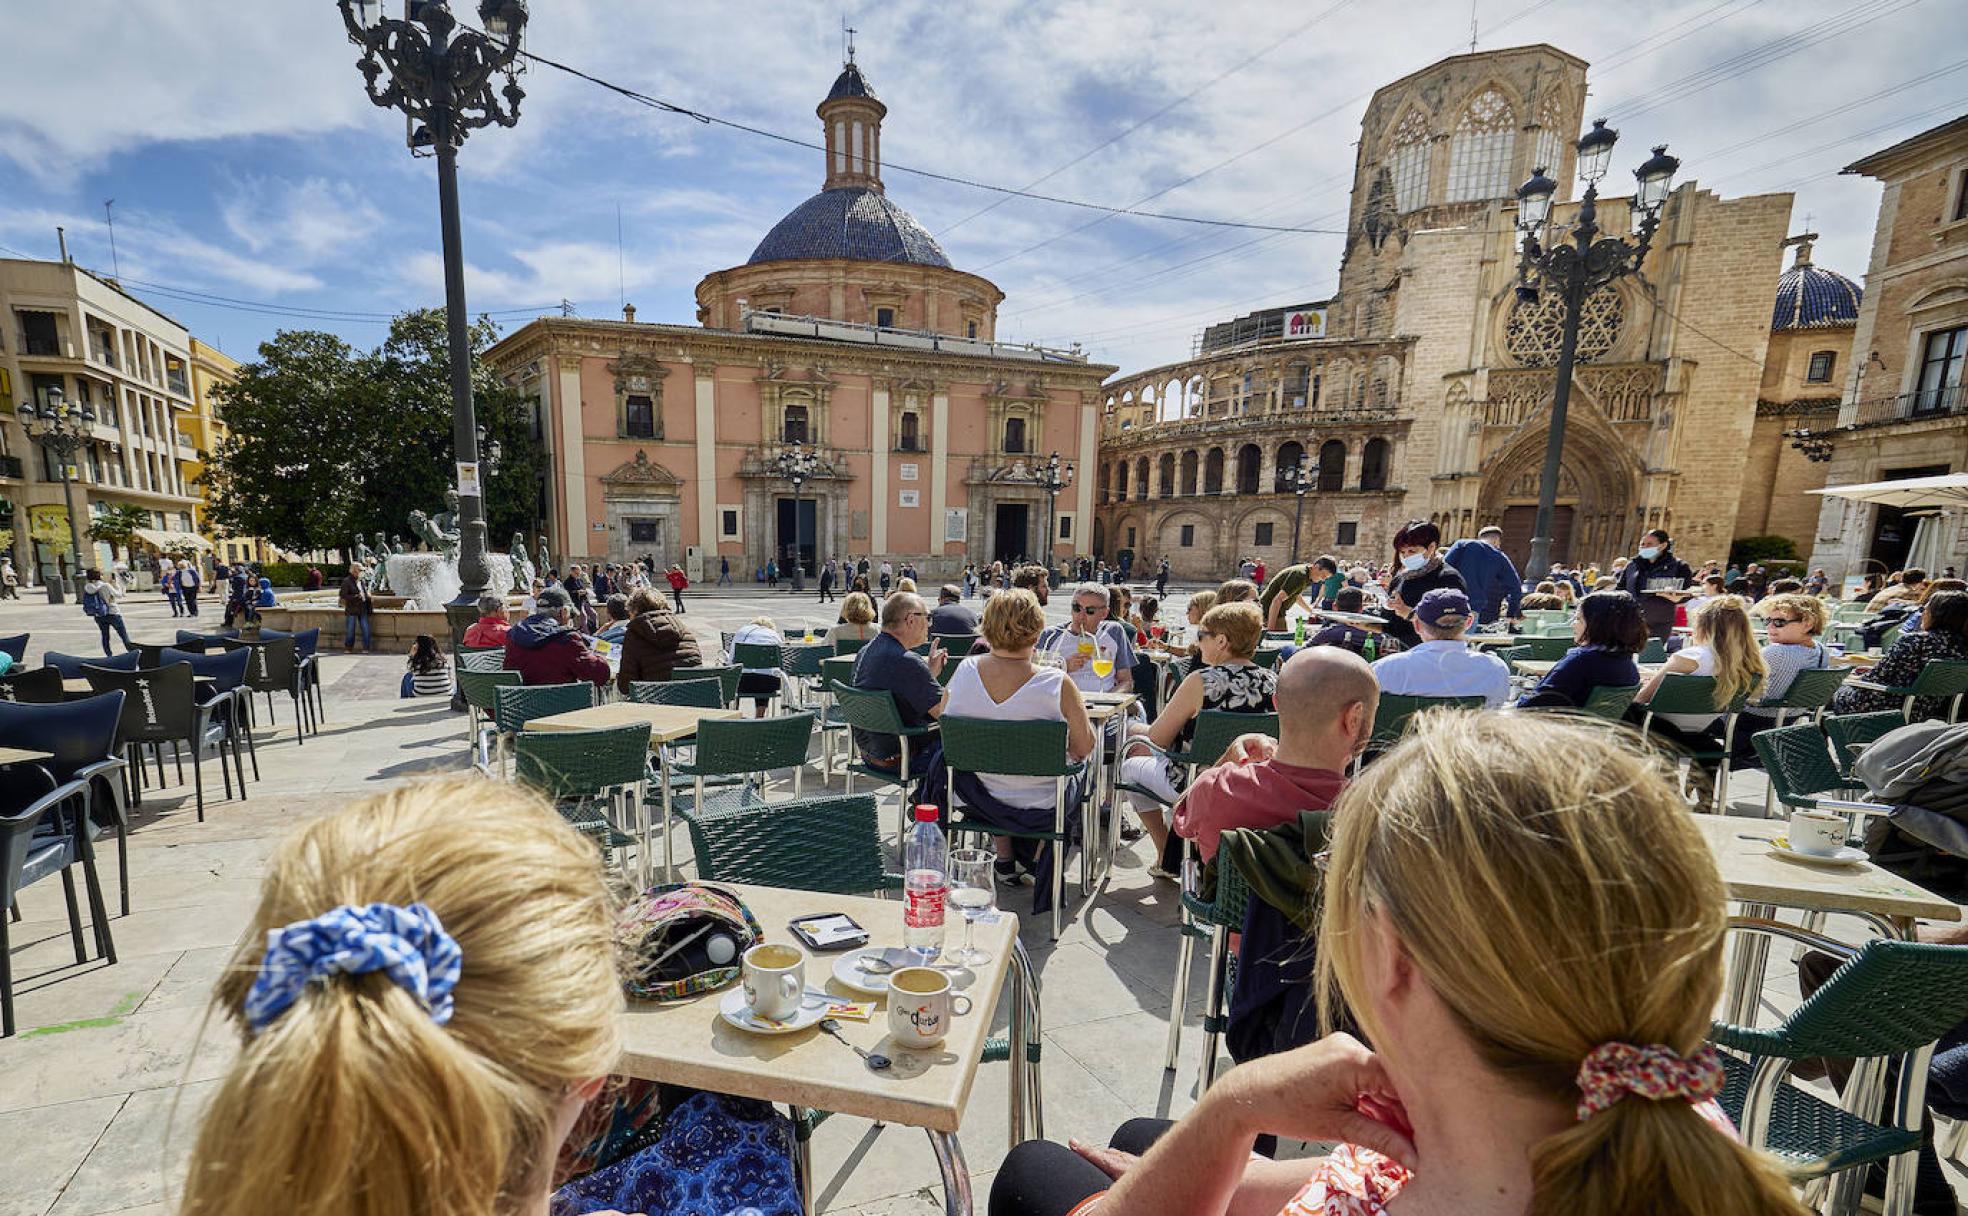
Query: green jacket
(1276, 863)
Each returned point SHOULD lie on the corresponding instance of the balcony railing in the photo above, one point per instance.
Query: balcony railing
(47, 347)
(1913, 407)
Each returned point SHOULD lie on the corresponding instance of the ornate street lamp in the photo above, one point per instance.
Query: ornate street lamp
(1575, 271)
(796, 465)
(61, 427)
(1816, 448)
(443, 78)
(1052, 477)
(1299, 479)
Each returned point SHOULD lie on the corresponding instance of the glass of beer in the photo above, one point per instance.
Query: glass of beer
(1103, 663)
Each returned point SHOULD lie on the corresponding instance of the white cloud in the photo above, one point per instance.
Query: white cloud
(304, 221)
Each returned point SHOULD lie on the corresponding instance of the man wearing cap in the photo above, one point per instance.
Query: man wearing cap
(545, 649)
(1443, 665)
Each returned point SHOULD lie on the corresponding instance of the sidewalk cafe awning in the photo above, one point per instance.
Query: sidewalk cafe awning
(168, 539)
(1946, 490)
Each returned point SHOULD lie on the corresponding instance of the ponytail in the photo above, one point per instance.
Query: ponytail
(1641, 1158)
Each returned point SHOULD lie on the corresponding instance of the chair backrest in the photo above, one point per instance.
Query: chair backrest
(1845, 730)
(17, 840)
(480, 688)
(871, 709)
(1798, 760)
(32, 686)
(1392, 714)
(76, 733)
(16, 645)
(837, 670)
(1147, 684)
(1684, 694)
(1655, 651)
(581, 763)
(956, 643)
(71, 665)
(492, 659)
(831, 844)
(186, 635)
(847, 646)
(514, 705)
(227, 668)
(306, 642)
(753, 745)
(1215, 728)
(158, 703)
(1546, 648)
(1610, 701)
(150, 654)
(1267, 657)
(1894, 997)
(1006, 749)
(1813, 689)
(801, 660)
(272, 666)
(755, 655)
(1941, 678)
(704, 694)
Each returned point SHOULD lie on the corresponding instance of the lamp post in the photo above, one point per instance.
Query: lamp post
(442, 77)
(1575, 271)
(796, 464)
(1052, 477)
(62, 428)
(1299, 479)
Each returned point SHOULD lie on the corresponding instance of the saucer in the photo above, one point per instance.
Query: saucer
(733, 1009)
(848, 973)
(1845, 856)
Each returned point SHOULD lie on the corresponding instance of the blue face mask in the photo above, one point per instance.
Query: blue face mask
(1414, 561)
(1649, 553)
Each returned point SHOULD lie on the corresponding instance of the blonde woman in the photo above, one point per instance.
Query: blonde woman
(857, 619)
(1577, 1087)
(1723, 646)
(422, 1012)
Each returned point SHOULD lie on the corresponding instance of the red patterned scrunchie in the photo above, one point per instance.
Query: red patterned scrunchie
(1655, 1072)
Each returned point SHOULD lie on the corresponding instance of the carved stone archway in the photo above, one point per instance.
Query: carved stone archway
(1598, 481)
(642, 510)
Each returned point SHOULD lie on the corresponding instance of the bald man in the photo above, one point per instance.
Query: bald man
(1326, 698)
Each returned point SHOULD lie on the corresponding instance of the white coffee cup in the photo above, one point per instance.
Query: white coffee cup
(920, 1006)
(1819, 833)
(775, 980)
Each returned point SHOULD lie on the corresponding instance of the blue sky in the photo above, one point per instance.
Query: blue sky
(246, 162)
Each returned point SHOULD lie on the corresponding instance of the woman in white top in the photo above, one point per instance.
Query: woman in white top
(759, 683)
(1007, 686)
(1723, 647)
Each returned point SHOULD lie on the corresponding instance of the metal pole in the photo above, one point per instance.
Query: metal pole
(74, 530)
(1298, 514)
(799, 567)
(473, 574)
(1561, 396)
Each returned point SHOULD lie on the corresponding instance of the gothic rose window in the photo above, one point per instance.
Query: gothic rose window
(1534, 331)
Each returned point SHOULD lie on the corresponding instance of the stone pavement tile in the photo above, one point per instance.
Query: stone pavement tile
(144, 931)
(189, 982)
(924, 1201)
(44, 1146)
(1125, 1055)
(1077, 984)
(141, 1051)
(141, 1158)
(75, 993)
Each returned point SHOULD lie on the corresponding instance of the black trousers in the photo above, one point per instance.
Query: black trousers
(1040, 1178)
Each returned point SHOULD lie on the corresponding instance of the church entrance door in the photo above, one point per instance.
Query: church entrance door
(1010, 542)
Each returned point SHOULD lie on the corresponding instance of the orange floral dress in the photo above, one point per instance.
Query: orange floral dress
(1352, 1181)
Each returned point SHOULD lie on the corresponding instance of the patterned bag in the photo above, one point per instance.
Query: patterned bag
(682, 939)
(714, 1154)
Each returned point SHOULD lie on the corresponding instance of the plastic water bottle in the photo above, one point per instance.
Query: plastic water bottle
(926, 862)
(1299, 636)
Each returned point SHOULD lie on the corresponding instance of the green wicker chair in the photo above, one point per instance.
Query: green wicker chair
(1939, 679)
(1655, 651)
(1512, 655)
(1215, 730)
(1548, 648)
(514, 705)
(1543, 621)
(956, 643)
(801, 663)
(756, 655)
(1610, 702)
(1216, 920)
(1888, 999)
(1267, 657)
(1019, 749)
(873, 709)
(727, 677)
(1803, 776)
(1809, 692)
(705, 693)
(730, 754)
(488, 658)
(848, 646)
(1395, 709)
(833, 670)
(830, 844)
(478, 689)
(1690, 694)
(1849, 733)
(587, 773)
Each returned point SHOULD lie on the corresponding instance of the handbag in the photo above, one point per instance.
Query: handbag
(682, 939)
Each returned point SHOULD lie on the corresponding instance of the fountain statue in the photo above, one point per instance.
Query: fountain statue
(546, 559)
(360, 552)
(523, 571)
(428, 530)
(381, 581)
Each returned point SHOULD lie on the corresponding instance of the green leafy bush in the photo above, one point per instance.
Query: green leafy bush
(1763, 549)
(293, 574)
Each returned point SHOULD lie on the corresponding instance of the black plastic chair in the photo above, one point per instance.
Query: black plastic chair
(162, 707)
(186, 635)
(80, 738)
(71, 665)
(29, 852)
(307, 670)
(35, 686)
(224, 693)
(16, 646)
(270, 671)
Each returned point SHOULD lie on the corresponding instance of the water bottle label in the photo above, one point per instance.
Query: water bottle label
(923, 907)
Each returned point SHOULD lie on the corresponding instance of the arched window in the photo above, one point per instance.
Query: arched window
(1014, 435)
(1189, 472)
(1407, 162)
(1379, 391)
(910, 439)
(1290, 455)
(1551, 136)
(1359, 388)
(1332, 465)
(1167, 463)
(1480, 150)
(1140, 478)
(1373, 465)
(1106, 482)
(1192, 397)
(1170, 407)
(795, 426)
(1120, 481)
(1248, 461)
(1213, 472)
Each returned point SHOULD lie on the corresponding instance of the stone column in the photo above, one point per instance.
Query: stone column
(939, 468)
(706, 403)
(878, 503)
(573, 462)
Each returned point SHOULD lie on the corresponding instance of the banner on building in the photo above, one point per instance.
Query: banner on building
(1305, 323)
(956, 524)
(48, 523)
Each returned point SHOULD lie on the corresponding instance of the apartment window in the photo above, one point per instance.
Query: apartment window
(1262, 537)
(728, 523)
(1349, 534)
(885, 317)
(795, 426)
(38, 335)
(639, 417)
(1373, 465)
(970, 330)
(1130, 538)
(1961, 196)
(1066, 527)
(1940, 371)
(1821, 364)
(1188, 536)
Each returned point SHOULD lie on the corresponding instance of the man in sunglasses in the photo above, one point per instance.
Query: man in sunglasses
(1110, 641)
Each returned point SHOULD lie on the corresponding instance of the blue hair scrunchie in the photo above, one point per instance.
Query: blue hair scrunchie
(408, 944)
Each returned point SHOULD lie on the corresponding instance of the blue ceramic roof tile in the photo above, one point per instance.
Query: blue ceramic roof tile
(1811, 297)
(850, 83)
(855, 223)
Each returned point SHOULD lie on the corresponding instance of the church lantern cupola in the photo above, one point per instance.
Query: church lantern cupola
(852, 117)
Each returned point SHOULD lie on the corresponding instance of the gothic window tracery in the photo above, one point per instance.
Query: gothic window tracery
(1481, 148)
(1408, 162)
(1551, 135)
(1534, 331)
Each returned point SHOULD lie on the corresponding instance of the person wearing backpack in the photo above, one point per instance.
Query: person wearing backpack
(188, 586)
(99, 602)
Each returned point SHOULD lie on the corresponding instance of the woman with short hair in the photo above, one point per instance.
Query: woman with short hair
(759, 683)
(1418, 554)
(1609, 631)
(857, 618)
(1943, 635)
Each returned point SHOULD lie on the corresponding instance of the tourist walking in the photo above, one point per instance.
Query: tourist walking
(827, 581)
(1161, 580)
(887, 576)
(356, 607)
(188, 586)
(724, 572)
(167, 577)
(99, 602)
(678, 581)
(771, 572)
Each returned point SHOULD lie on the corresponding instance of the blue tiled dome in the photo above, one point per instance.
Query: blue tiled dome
(850, 83)
(1811, 297)
(854, 223)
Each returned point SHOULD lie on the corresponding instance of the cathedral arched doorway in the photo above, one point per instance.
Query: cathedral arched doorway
(1594, 519)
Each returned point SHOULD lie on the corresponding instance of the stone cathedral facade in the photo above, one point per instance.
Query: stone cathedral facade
(1422, 389)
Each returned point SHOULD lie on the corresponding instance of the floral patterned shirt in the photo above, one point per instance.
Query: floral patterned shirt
(1238, 688)
(1351, 1181)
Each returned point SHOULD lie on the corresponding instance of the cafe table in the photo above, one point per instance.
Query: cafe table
(1762, 882)
(688, 1043)
(1103, 710)
(23, 755)
(667, 724)
(1537, 669)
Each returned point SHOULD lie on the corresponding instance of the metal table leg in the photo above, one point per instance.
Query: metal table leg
(663, 770)
(1747, 960)
(1027, 1096)
(956, 1177)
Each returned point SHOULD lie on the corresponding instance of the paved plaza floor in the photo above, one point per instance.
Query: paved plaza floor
(101, 1091)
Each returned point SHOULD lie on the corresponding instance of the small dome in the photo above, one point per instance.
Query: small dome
(850, 83)
(1811, 297)
(853, 223)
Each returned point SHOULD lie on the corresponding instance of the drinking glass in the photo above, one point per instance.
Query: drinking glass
(973, 889)
(1103, 662)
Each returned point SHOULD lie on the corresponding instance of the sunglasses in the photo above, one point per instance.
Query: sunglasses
(1778, 622)
(1078, 609)
(1206, 633)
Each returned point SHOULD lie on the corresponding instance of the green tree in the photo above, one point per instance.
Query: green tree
(328, 443)
(117, 526)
